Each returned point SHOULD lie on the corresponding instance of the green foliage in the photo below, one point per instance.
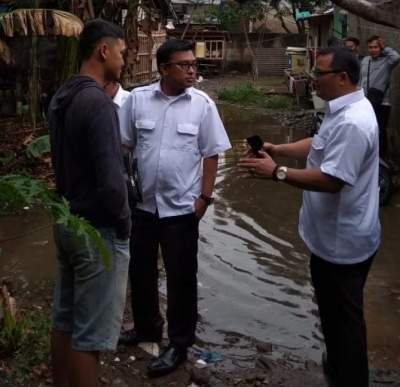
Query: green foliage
(25, 338)
(233, 11)
(19, 191)
(12, 333)
(82, 229)
(39, 146)
(6, 157)
(279, 102)
(246, 94)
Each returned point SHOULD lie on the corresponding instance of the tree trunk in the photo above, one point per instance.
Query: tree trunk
(374, 12)
(254, 66)
(283, 24)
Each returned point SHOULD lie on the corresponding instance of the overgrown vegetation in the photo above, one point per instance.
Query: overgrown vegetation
(19, 191)
(26, 339)
(244, 94)
(39, 146)
(248, 94)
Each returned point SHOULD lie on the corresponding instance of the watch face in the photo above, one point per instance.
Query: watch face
(281, 173)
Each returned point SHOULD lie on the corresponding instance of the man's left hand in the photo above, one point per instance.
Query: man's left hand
(200, 208)
(263, 166)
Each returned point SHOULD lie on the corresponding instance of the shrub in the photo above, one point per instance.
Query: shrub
(246, 94)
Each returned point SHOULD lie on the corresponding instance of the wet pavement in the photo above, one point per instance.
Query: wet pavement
(254, 284)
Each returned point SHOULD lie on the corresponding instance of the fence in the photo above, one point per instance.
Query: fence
(143, 68)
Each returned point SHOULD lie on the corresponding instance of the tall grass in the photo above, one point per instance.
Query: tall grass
(248, 94)
(243, 94)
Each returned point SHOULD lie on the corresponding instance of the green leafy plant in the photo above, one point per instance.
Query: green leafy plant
(39, 146)
(26, 340)
(12, 332)
(19, 191)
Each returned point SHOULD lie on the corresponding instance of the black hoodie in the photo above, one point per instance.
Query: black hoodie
(86, 154)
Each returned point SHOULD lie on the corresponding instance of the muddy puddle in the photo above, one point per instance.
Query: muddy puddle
(254, 284)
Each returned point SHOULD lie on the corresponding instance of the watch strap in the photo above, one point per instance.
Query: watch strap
(207, 199)
(274, 173)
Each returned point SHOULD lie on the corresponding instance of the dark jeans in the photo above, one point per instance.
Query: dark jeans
(382, 113)
(339, 294)
(177, 236)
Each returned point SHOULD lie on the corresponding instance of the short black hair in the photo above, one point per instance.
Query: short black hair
(170, 47)
(373, 37)
(343, 60)
(353, 40)
(94, 31)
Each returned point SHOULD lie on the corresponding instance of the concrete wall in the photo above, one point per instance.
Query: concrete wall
(363, 30)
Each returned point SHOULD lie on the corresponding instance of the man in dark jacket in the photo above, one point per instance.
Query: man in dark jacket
(86, 154)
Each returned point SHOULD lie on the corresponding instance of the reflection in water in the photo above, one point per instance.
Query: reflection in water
(253, 268)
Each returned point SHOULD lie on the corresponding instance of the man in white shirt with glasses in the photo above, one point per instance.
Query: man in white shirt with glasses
(339, 219)
(177, 134)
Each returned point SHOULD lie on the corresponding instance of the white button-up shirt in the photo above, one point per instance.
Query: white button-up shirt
(344, 227)
(171, 136)
(121, 96)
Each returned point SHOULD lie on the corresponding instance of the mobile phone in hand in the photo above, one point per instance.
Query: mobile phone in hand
(255, 143)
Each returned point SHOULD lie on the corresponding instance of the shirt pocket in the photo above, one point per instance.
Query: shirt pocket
(316, 154)
(187, 136)
(145, 130)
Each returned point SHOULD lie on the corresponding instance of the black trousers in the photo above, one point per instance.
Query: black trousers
(178, 238)
(382, 113)
(339, 293)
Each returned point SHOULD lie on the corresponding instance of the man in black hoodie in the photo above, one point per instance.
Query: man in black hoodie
(86, 154)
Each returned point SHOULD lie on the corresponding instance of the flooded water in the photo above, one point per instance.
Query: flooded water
(254, 283)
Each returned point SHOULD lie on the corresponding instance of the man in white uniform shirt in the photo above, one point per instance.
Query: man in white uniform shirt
(177, 135)
(116, 93)
(339, 218)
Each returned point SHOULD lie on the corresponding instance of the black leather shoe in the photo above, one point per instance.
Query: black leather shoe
(167, 362)
(130, 337)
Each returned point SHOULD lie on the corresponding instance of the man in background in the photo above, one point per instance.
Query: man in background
(353, 44)
(376, 72)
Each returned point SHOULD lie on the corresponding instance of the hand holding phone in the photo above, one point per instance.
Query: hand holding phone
(255, 143)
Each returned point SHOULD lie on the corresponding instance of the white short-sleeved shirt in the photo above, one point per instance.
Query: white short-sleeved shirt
(121, 96)
(171, 136)
(344, 228)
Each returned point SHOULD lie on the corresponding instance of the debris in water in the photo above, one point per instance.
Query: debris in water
(150, 348)
(200, 363)
(40, 243)
(211, 357)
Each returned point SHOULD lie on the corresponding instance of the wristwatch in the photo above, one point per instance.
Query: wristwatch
(280, 173)
(207, 199)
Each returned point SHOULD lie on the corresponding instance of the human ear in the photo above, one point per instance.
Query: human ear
(103, 51)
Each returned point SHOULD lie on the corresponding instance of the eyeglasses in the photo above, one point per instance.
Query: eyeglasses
(319, 73)
(184, 65)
